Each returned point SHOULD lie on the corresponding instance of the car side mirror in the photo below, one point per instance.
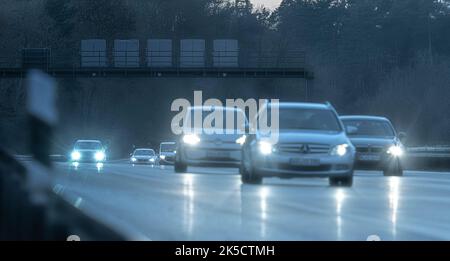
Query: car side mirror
(351, 130)
(402, 136)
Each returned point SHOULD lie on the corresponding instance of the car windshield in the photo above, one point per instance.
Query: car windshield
(144, 152)
(231, 119)
(168, 147)
(88, 145)
(307, 119)
(371, 128)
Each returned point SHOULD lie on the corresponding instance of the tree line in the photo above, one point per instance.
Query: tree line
(384, 57)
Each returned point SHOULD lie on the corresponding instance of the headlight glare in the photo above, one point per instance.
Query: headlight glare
(241, 140)
(340, 150)
(133, 159)
(191, 139)
(265, 147)
(76, 155)
(99, 155)
(395, 150)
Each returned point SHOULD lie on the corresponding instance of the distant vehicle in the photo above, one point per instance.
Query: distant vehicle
(311, 143)
(143, 156)
(210, 149)
(167, 152)
(378, 146)
(88, 151)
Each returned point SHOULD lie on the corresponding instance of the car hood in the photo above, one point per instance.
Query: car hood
(312, 137)
(366, 141)
(81, 151)
(143, 157)
(220, 137)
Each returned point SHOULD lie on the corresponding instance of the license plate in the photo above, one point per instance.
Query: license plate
(217, 154)
(305, 162)
(369, 157)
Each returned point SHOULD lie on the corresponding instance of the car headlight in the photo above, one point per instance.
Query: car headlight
(133, 159)
(191, 139)
(152, 160)
(76, 155)
(99, 155)
(340, 150)
(395, 151)
(162, 156)
(265, 147)
(241, 140)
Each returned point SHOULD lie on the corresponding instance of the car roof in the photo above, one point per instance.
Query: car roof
(363, 117)
(303, 105)
(168, 142)
(97, 141)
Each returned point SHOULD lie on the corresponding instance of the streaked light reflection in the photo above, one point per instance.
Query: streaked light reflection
(189, 195)
(99, 166)
(339, 197)
(394, 195)
(263, 195)
(75, 165)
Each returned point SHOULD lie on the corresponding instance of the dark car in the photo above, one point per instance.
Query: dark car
(378, 146)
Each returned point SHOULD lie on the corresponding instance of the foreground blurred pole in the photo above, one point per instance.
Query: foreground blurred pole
(41, 105)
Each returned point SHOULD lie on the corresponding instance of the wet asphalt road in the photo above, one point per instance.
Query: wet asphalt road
(154, 203)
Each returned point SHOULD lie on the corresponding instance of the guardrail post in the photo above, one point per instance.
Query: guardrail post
(41, 105)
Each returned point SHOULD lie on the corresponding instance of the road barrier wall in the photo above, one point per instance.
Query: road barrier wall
(30, 210)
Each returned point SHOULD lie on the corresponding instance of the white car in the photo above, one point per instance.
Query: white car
(203, 148)
(143, 156)
(88, 151)
(167, 152)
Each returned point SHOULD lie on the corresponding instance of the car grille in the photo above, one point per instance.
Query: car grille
(370, 149)
(87, 156)
(304, 168)
(218, 142)
(303, 148)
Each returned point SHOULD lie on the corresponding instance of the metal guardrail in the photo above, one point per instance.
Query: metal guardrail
(34, 212)
(442, 150)
(428, 157)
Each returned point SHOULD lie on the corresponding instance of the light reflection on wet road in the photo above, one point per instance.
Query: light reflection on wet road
(213, 204)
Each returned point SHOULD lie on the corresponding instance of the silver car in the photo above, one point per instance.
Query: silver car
(167, 152)
(311, 143)
(143, 156)
(378, 146)
(88, 151)
(210, 149)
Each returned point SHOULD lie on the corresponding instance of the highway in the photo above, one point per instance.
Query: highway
(154, 203)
